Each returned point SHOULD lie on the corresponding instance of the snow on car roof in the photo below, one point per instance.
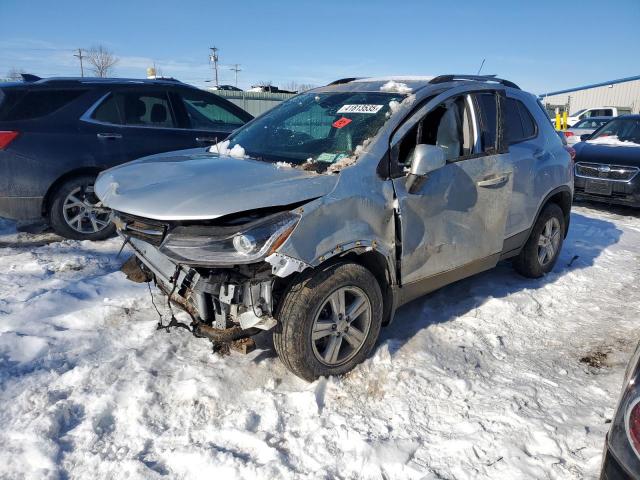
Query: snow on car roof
(398, 78)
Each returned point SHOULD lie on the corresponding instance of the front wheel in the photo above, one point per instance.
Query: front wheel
(541, 252)
(329, 321)
(77, 213)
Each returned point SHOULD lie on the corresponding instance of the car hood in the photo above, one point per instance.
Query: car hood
(610, 154)
(198, 185)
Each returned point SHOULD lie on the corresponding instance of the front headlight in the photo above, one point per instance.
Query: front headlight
(624, 434)
(219, 246)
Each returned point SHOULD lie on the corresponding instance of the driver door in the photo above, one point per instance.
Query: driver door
(454, 221)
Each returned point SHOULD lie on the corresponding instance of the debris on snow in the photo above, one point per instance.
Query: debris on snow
(481, 379)
(345, 162)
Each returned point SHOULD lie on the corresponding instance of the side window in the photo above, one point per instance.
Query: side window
(38, 103)
(147, 109)
(205, 112)
(529, 126)
(607, 112)
(448, 126)
(519, 125)
(107, 111)
(513, 130)
(488, 121)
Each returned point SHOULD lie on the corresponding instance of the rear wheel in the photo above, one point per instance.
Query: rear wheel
(77, 213)
(541, 252)
(329, 321)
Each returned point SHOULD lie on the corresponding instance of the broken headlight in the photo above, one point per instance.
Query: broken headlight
(248, 243)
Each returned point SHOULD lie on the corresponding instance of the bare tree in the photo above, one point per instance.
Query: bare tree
(102, 60)
(294, 86)
(15, 74)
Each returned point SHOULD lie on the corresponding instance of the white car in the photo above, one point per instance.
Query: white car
(597, 112)
(584, 126)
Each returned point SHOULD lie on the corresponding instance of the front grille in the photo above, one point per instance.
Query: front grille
(618, 173)
(150, 231)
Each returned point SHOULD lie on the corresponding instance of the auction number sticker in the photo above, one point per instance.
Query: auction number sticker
(360, 108)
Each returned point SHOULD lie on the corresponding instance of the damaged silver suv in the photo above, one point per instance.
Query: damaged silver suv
(319, 218)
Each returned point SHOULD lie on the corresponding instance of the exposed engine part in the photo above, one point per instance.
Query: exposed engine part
(250, 319)
(283, 266)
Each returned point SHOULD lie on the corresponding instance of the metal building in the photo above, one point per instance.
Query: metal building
(256, 103)
(624, 92)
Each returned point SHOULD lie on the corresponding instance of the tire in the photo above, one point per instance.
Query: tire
(531, 262)
(79, 221)
(309, 302)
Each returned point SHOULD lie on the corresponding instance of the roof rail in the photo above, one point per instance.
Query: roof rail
(477, 78)
(343, 80)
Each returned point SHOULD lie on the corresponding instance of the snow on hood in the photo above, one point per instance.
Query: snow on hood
(613, 141)
(197, 185)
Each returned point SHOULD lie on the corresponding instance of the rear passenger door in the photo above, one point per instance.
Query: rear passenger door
(526, 150)
(137, 123)
(207, 117)
(150, 123)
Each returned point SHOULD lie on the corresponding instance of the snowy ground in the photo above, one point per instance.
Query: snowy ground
(482, 379)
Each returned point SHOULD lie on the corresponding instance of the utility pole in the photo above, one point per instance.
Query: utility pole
(214, 58)
(80, 57)
(236, 68)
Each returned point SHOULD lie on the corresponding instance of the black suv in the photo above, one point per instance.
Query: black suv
(57, 134)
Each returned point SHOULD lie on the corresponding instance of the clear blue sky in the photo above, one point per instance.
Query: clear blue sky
(542, 45)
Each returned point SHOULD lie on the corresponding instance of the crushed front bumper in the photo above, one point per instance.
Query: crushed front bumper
(221, 298)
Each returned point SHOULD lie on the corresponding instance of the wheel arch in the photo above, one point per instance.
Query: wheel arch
(562, 197)
(53, 188)
(372, 260)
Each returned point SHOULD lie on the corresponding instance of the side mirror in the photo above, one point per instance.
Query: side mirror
(425, 159)
(585, 136)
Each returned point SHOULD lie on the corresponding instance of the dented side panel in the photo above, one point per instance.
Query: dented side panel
(453, 219)
(358, 215)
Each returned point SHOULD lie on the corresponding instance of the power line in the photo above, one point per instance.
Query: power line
(236, 68)
(80, 57)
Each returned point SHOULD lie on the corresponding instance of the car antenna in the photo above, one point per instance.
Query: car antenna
(481, 65)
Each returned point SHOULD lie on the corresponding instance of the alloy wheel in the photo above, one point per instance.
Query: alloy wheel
(549, 241)
(341, 326)
(83, 212)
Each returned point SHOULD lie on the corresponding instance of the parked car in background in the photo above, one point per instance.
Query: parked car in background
(229, 88)
(268, 89)
(597, 112)
(57, 134)
(621, 460)
(607, 164)
(323, 215)
(583, 127)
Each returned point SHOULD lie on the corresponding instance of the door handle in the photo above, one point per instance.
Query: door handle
(206, 140)
(109, 136)
(494, 181)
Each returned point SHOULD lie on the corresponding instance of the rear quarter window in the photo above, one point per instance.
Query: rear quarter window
(519, 124)
(30, 104)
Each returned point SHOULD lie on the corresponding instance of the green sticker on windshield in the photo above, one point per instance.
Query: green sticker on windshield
(326, 157)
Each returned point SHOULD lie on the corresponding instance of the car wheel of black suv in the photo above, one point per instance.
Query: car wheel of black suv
(329, 320)
(76, 212)
(540, 253)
